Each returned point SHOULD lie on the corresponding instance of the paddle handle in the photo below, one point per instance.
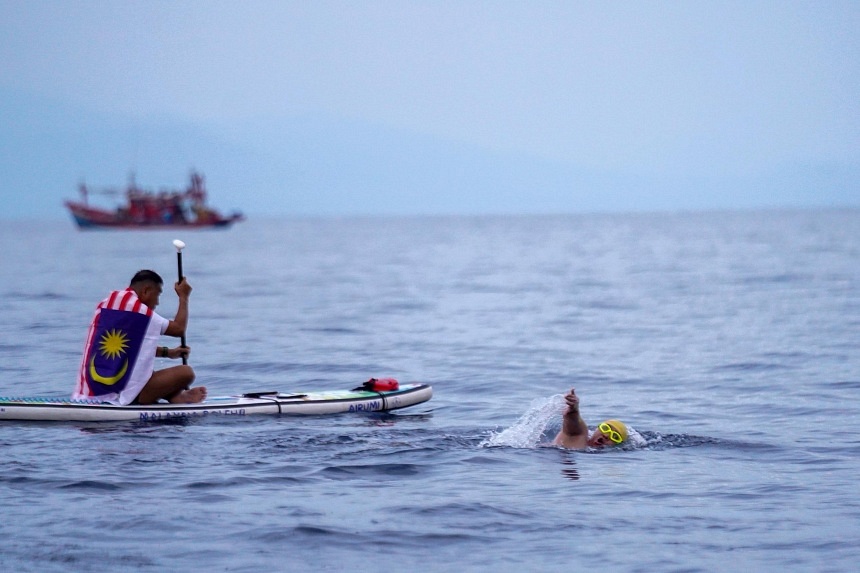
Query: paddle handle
(179, 246)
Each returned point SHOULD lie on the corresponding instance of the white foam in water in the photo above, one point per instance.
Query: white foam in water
(527, 431)
(634, 438)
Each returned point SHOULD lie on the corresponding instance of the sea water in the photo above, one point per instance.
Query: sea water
(727, 341)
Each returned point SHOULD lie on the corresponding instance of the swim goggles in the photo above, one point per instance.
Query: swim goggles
(613, 435)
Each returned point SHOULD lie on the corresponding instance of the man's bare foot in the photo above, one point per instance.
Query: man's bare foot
(191, 396)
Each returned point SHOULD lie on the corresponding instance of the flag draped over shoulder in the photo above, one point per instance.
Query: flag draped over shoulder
(113, 351)
(120, 350)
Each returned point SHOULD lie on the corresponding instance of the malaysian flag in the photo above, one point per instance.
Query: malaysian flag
(112, 358)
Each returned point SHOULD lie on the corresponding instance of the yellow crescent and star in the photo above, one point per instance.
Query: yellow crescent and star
(113, 343)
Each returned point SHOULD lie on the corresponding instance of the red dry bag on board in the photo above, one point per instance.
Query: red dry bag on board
(379, 385)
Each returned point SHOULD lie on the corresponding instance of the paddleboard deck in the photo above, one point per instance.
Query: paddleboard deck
(252, 403)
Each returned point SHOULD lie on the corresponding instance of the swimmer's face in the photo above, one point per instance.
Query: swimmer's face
(599, 440)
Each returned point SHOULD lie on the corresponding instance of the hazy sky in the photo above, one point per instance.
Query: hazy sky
(347, 107)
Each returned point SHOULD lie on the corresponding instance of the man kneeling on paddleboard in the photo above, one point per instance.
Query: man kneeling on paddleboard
(574, 431)
(118, 365)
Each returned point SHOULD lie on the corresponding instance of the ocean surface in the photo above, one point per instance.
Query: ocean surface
(727, 341)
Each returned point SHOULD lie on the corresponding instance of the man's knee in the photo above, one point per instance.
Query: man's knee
(186, 373)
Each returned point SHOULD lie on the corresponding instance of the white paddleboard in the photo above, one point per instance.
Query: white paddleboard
(299, 403)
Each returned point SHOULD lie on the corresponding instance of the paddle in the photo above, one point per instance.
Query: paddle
(179, 246)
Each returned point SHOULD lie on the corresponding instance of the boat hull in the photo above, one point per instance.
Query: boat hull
(89, 218)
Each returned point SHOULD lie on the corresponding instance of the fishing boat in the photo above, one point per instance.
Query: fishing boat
(166, 209)
(313, 403)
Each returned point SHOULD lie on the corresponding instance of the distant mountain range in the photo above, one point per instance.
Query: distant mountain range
(329, 167)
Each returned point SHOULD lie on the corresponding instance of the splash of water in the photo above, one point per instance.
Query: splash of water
(528, 430)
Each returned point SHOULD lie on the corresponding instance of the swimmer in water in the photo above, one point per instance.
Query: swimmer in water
(574, 431)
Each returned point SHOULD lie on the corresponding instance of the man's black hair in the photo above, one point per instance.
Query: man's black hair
(146, 276)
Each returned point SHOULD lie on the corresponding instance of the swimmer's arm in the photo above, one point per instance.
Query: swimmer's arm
(574, 430)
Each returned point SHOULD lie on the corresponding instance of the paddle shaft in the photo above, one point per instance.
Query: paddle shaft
(179, 268)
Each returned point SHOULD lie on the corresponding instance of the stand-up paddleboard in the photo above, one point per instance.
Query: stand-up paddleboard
(308, 403)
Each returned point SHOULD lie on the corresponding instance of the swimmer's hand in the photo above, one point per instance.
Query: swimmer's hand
(572, 401)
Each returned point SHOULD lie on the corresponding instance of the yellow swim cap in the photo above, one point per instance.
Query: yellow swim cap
(619, 427)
